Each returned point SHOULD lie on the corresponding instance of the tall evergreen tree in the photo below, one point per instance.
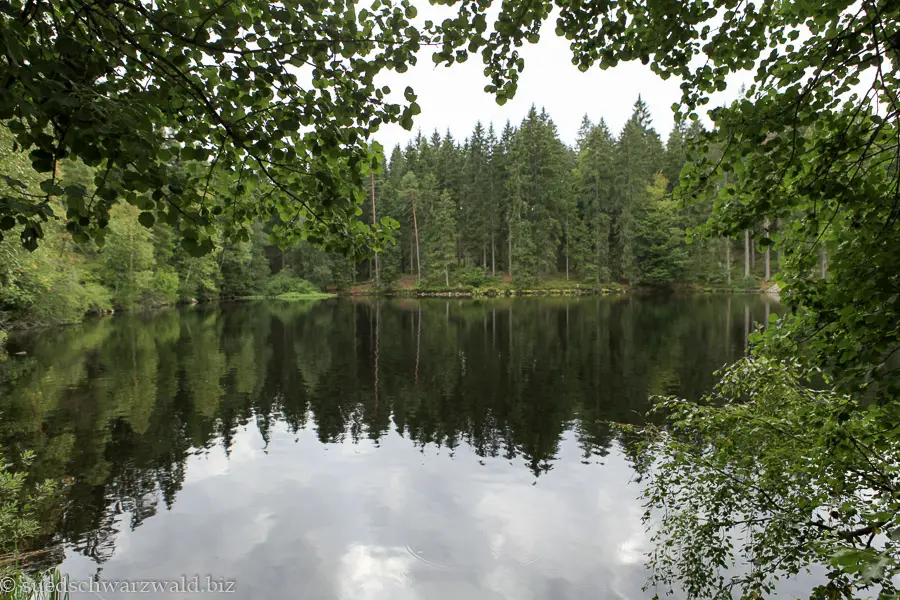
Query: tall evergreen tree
(640, 154)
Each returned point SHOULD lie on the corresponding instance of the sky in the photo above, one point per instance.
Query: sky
(454, 98)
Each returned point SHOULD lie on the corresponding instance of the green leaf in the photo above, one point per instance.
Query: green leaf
(146, 219)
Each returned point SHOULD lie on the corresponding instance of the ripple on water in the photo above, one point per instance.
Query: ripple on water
(425, 557)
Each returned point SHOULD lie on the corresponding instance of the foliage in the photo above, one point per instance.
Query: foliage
(440, 240)
(134, 89)
(805, 161)
(661, 252)
(769, 476)
(19, 504)
(285, 283)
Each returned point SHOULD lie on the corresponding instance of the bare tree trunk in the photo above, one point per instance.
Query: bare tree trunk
(509, 258)
(416, 228)
(768, 254)
(493, 256)
(374, 221)
(746, 253)
(728, 259)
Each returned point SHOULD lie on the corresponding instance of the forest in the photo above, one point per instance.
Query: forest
(513, 203)
(173, 151)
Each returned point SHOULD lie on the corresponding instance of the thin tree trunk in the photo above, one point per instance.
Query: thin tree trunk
(728, 259)
(509, 258)
(416, 228)
(374, 221)
(493, 256)
(768, 254)
(746, 253)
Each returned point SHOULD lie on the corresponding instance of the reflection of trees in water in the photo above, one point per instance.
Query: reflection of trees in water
(114, 407)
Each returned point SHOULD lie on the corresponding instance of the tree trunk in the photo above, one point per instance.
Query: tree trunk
(493, 256)
(509, 258)
(768, 254)
(416, 228)
(374, 221)
(746, 253)
(728, 259)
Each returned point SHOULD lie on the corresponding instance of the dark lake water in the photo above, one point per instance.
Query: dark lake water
(360, 450)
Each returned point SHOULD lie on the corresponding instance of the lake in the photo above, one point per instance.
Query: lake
(360, 449)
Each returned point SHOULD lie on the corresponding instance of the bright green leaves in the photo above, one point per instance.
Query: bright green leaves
(162, 100)
(797, 472)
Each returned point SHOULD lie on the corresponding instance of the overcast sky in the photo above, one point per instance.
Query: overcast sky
(454, 97)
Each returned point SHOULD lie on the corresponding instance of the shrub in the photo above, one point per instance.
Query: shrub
(159, 288)
(471, 275)
(285, 283)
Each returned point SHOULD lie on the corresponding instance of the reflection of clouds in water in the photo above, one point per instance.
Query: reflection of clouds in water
(393, 524)
(369, 572)
(246, 447)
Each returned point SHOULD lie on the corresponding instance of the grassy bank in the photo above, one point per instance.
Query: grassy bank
(408, 287)
(290, 296)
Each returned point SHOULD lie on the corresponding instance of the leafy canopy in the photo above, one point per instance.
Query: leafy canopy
(282, 95)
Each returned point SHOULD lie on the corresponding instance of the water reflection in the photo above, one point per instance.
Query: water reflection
(361, 449)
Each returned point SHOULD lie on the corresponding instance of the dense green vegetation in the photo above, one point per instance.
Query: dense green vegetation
(806, 159)
(521, 204)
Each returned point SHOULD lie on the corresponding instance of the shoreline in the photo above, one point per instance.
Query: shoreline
(615, 290)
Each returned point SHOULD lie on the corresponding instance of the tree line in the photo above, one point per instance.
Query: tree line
(515, 202)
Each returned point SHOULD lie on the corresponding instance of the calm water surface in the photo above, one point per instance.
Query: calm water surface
(361, 450)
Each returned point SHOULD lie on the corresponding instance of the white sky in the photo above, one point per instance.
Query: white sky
(454, 97)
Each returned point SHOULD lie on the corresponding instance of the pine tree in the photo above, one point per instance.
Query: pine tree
(441, 237)
(595, 179)
(640, 155)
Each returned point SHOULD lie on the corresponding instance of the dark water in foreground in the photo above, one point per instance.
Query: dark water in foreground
(360, 450)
